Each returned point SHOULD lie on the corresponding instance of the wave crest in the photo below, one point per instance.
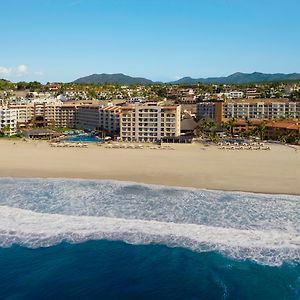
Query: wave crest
(32, 229)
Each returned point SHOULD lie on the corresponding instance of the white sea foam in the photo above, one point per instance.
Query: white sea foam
(39, 213)
(33, 229)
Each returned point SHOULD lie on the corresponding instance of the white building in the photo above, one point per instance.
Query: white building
(8, 120)
(261, 109)
(45, 114)
(249, 108)
(235, 95)
(105, 118)
(149, 122)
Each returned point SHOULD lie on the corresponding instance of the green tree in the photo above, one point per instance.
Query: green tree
(205, 127)
(229, 126)
(5, 130)
(259, 131)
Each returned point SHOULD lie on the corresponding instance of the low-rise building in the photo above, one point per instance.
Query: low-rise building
(241, 125)
(276, 129)
(235, 94)
(253, 93)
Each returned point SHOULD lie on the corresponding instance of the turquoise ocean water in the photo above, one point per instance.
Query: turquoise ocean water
(81, 239)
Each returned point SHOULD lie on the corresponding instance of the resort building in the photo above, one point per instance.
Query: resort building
(210, 110)
(253, 93)
(68, 116)
(281, 128)
(83, 115)
(8, 121)
(248, 108)
(187, 126)
(40, 134)
(150, 122)
(235, 94)
(45, 115)
(23, 112)
(106, 118)
(241, 125)
(88, 117)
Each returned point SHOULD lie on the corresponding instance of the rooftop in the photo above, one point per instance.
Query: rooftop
(288, 124)
(260, 100)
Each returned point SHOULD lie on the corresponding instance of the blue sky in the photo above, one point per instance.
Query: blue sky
(61, 40)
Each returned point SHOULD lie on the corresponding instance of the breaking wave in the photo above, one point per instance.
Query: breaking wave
(41, 213)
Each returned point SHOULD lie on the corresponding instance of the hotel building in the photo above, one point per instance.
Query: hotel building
(105, 118)
(45, 115)
(276, 129)
(248, 108)
(68, 115)
(149, 122)
(8, 120)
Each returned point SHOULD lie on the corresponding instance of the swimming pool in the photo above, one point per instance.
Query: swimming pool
(82, 137)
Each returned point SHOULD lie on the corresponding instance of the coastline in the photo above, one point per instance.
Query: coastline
(196, 166)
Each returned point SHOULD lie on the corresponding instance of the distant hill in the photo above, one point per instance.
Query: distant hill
(113, 78)
(236, 78)
(6, 84)
(239, 78)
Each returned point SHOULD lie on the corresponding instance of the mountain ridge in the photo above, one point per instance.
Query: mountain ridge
(235, 78)
(118, 78)
(241, 78)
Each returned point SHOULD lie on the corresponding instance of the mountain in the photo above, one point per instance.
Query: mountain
(239, 78)
(113, 78)
(236, 78)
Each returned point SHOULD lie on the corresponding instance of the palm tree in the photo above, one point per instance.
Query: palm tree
(229, 125)
(282, 139)
(260, 131)
(204, 126)
(200, 129)
(211, 126)
(247, 132)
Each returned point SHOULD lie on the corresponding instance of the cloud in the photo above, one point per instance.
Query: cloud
(21, 70)
(5, 71)
(39, 73)
(177, 77)
(17, 71)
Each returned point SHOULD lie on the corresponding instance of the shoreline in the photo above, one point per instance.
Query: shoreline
(188, 166)
(156, 185)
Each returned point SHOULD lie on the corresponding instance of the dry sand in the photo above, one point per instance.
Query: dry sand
(275, 171)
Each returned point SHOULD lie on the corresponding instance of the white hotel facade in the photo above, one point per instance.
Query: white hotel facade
(248, 108)
(262, 109)
(106, 118)
(149, 122)
(8, 120)
(64, 115)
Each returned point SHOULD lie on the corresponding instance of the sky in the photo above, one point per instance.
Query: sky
(62, 40)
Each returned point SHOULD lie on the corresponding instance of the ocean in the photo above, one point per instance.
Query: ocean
(88, 239)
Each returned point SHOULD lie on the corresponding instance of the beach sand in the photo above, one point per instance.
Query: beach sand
(276, 171)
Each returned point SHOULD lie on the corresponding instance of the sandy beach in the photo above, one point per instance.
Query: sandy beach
(275, 171)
